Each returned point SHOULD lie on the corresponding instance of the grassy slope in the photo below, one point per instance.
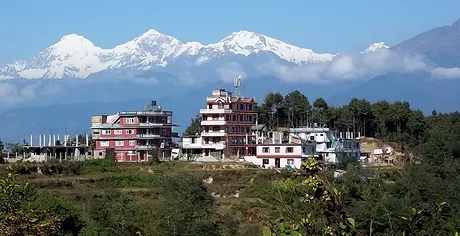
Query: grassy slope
(227, 182)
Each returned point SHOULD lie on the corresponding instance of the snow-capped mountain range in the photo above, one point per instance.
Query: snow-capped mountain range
(376, 46)
(77, 57)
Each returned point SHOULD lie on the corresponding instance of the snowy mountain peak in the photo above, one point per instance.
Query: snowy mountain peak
(376, 46)
(246, 42)
(457, 23)
(76, 56)
(72, 43)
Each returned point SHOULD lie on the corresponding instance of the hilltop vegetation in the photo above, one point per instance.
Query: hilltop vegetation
(101, 197)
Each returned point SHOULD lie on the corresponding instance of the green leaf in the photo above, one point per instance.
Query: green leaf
(267, 231)
(352, 222)
(281, 224)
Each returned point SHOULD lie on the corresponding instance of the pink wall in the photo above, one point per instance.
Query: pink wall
(283, 151)
(124, 123)
(112, 144)
(123, 133)
(123, 156)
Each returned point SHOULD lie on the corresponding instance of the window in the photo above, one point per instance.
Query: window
(118, 131)
(165, 132)
(106, 131)
(265, 149)
(265, 161)
(290, 161)
(129, 131)
(119, 143)
(129, 120)
(277, 149)
(96, 132)
(104, 143)
(132, 142)
(289, 149)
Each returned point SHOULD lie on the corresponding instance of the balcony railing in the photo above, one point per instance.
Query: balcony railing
(211, 133)
(148, 136)
(213, 122)
(215, 111)
(217, 146)
(152, 124)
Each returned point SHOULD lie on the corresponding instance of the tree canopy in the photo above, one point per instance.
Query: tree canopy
(195, 126)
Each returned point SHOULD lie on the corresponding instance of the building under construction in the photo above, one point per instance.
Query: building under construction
(53, 147)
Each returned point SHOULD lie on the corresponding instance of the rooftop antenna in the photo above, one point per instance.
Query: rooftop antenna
(237, 84)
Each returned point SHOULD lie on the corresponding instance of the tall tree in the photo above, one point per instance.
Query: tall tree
(381, 110)
(297, 108)
(195, 126)
(319, 111)
(271, 109)
(362, 114)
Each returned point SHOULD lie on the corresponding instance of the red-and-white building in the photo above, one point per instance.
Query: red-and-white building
(277, 155)
(134, 135)
(226, 125)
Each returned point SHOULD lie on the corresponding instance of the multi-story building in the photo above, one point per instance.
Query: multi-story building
(331, 145)
(134, 135)
(226, 125)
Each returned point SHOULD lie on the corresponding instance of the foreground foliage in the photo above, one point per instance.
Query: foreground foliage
(22, 212)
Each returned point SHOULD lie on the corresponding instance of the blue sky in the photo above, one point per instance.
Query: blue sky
(27, 27)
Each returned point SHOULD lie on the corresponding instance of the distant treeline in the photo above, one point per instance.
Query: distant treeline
(395, 122)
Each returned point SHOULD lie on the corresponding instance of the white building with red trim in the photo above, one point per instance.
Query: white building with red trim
(278, 156)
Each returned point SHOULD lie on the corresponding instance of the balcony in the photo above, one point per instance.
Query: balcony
(152, 124)
(215, 111)
(145, 147)
(213, 122)
(211, 133)
(148, 136)
(217, 146)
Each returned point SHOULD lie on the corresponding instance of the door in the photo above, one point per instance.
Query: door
(277, 163)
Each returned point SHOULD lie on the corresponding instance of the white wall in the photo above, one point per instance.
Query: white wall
(296, 150)
(187, 143)
(271, 162)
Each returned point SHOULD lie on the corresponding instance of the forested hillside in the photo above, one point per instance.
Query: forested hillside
(102, 197)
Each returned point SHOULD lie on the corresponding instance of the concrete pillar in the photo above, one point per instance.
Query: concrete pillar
(76, 140)
(40, 140)
(58, 138)
(87, 140)
(54, 140)
(31, 139)
(44, 140)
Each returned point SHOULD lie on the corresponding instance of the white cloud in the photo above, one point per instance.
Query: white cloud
(360, 66)
(446, 73)
(229, 71)
(12, 94)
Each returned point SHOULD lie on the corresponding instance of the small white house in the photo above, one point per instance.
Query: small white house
(191, 147)
(278, 156)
